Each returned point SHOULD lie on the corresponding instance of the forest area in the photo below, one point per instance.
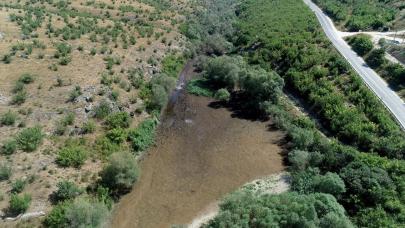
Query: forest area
(347, 168)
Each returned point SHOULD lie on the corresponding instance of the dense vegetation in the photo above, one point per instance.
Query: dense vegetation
(370, 187)
(358, 15)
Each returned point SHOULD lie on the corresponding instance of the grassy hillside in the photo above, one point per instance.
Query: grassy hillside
(79, 81)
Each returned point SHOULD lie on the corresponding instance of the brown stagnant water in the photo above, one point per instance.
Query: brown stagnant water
(201, 154)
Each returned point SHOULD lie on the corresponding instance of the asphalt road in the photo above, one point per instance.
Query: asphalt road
(390, 99)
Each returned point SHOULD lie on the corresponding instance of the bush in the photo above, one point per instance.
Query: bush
(18, 186)
(75, 93)
(120, 173)
(118, 120)
(88, 127)
(102, 110)
(298, 159)
(361, 44)
(19, 204)
(68, 119)
(29, 139)
(222, 95)
(85, 213)
(117, 135)
(9, 147)
(5, 172)
(143, 136)
(19, 98)
(71, 156)
(376, 58)
(26, 78)
(8, 118)
(82, 212)
(66, 190)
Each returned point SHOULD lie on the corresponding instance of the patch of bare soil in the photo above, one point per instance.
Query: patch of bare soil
(202, 154)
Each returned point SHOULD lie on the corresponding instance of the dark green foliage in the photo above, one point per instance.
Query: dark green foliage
(294, 45)
(200, 87)
(284, 210)
(376, 58)
(361, 14)
(19, 204)
(222, 72)
(8, 118)
(361, 44)
(66, 190)
(56, 218)
(118, 120)
(5, 172)
(29, 139)
(9, 147)
(143, 136)
(120, 173)
(71, 156)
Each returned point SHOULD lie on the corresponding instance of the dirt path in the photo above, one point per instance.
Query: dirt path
(202, 154)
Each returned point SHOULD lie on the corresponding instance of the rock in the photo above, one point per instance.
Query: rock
(88, 108)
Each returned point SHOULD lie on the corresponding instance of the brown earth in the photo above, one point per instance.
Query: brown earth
(202, 154)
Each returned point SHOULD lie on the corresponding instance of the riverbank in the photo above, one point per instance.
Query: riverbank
(202, 153)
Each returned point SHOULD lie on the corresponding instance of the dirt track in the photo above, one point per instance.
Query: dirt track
(202, 154)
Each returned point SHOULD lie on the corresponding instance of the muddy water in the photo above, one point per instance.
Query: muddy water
(202, 153)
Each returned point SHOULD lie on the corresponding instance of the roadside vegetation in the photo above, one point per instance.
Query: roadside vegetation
(393, 73)
(362, 14)
(357, 172)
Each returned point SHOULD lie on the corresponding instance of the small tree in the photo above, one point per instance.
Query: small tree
(361, 44)
(222, 95)
(376, 58)
(121, 172)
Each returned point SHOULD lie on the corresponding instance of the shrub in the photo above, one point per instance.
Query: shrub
(75, 93)
(71, 156)
(102, 110)
(9, 147)
(298, 159)
(8, 118)
(86, 213)
(66, 190)
(5, 172)
(19, 98)
(26, 78)
(118, 120)
(117, 135)
(82, 212)
(19, 204)
(68, 119)
(361, 44)
(376, 58)
(18, 186)
(18, 87)
(106, 147)
(143, 136)
(120, 173)
(6, 58)
(222, 95)
(29, 139)
(88, 127)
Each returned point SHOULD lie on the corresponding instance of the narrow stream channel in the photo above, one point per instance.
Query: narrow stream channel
(202, 153)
